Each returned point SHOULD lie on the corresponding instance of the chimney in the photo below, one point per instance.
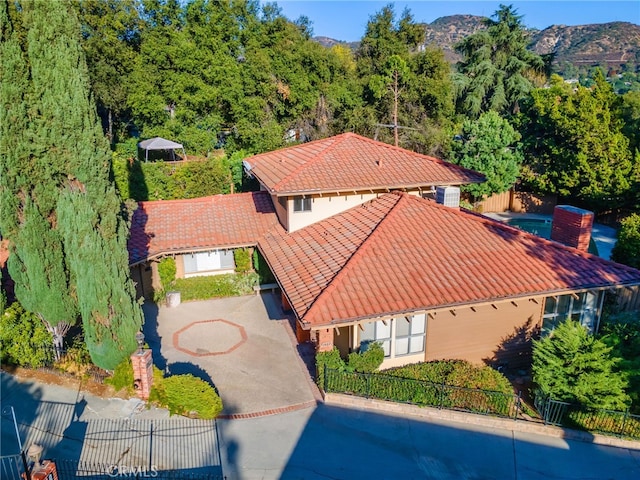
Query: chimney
(572, 226)
(448, 196)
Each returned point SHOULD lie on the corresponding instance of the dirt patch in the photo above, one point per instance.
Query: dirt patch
(51, 377)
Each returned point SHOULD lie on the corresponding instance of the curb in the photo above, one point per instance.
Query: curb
(266, 413)
(430, 413)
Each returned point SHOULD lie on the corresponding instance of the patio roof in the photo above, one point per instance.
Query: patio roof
(221, 221)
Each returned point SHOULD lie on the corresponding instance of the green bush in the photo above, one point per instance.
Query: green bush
(188, 395)
(152, 180)
(158, 393)
(242, 257)
(331, 360)
(122, 378)
(214, 286)
(262, 268)
(24, 340)
(167, 272)
(367, 361)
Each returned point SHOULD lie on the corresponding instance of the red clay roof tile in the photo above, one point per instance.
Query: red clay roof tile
(401, 253)
(219, 221)
(349, 162)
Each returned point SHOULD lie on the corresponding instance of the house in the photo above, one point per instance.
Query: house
(200, 233)
(364, 251)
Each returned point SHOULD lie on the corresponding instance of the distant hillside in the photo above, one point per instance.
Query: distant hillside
(612, 44)
(330, 42)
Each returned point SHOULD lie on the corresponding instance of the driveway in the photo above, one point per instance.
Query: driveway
(245, 346)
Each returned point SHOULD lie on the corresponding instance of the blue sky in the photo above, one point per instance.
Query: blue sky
(347, 20)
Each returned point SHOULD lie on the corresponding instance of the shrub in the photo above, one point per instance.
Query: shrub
(242, 257)
(122, 378)
(329, 359)
(574, 366)
(226, 285)
(188, 395)
(24, 340)
(262, 268)
(368, 360)
(77, 359)
(167, 272)
(627, 248)
(158, 394)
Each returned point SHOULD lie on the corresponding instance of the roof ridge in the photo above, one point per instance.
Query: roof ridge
(338, 140)
(348, 265)
(421, 155)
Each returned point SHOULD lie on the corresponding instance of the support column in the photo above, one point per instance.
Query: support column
(325, 340)
(302, 335)
(142, 373)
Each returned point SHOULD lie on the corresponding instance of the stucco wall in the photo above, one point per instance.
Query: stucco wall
(488, 334)
(323, 207)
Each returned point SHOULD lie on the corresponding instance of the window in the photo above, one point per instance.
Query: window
(379, 331)
(399, 336)
(410, 334)
(301, 204)
(209, 261)
(581, 307)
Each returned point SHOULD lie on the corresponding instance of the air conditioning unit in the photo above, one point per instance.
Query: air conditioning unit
(448, 196)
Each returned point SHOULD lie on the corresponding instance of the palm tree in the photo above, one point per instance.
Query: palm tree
(497, 69)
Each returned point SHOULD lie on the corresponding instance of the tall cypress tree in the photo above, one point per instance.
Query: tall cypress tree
(28, 194)
(75, 196)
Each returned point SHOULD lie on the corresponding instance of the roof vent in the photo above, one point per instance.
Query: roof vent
(448, 196)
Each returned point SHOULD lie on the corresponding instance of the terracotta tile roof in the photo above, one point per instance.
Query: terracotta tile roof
(402, 253)
(349, 162)
(219, 221)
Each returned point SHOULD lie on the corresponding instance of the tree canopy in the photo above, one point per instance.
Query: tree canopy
(488, 145)
(496, 70)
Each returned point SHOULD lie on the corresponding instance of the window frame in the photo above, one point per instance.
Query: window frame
(301, 204)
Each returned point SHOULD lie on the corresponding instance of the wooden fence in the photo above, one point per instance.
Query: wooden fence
(519, 202)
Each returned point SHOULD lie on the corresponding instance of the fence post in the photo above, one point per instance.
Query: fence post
(624, 422)
(325, 381)
(441, 399)
(368, 377)
(518, 403)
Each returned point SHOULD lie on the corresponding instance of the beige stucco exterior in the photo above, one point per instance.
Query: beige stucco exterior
(322, 207)
(484, 333)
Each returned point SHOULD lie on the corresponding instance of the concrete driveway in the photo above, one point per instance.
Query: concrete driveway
(243, 345)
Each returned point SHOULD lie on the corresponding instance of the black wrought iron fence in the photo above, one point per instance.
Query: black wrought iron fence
(421, 392)
(608, 422)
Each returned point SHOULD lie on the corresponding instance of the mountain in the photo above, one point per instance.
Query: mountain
(607, 44)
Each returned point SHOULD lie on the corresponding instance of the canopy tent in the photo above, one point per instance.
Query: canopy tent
(158, 143)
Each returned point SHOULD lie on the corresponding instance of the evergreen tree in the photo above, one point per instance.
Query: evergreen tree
(487, 145)
(627, 248)
(29, 173)
(496, 70)
(571, 365)
(69, 216)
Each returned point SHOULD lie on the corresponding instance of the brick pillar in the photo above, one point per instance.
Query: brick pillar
(285, 303)
(325, 340)
(46, 469)
(302, 335)
(142, 373)
(572, 226)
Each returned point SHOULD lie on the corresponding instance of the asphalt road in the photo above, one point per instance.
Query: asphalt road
(316, 443)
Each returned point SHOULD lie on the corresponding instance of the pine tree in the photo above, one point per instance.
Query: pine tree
(497, 69)
(574, 366)
(63, 194)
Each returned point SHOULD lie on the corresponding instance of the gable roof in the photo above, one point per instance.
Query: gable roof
(220, 221)
(400, 253)
(349, 162)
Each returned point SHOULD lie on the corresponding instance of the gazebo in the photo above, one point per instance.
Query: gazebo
(158, 143)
